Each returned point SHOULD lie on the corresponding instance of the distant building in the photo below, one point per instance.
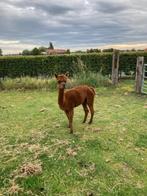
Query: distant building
(56, 51)
(145, 49)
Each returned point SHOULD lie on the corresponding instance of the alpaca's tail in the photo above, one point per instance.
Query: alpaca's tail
(93, 90)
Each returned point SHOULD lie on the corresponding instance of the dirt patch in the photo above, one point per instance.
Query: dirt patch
(14, 189)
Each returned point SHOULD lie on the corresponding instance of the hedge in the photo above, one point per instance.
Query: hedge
(35, 66)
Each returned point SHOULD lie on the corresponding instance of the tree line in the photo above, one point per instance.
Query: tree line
(43, 50)
(37, 51)
(1, 53)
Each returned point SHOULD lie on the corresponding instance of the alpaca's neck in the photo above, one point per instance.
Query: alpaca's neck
(61, 97)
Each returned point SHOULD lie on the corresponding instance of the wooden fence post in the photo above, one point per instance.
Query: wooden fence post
(139, 74)
(115, 67)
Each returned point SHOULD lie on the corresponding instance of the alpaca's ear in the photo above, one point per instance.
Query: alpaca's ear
(56, 75)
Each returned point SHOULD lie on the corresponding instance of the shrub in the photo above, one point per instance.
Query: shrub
(35, 66)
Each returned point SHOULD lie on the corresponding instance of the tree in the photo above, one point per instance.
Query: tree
(51, 46)
(26, 52)
(108, 50)
(1, 52)
(133, 50)
(35, 51)
(93, 50)
(68, 51)
(42, 49)
(79, 51)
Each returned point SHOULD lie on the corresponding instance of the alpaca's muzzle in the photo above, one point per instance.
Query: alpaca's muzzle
(62, 85)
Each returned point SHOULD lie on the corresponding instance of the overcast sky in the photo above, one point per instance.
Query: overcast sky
(72, 24)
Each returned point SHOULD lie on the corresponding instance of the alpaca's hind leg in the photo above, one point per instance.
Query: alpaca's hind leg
(71, 113)
(86, 111)
(92, 113)
(67, 114)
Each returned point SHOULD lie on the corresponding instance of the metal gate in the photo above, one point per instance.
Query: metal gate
(144, 80)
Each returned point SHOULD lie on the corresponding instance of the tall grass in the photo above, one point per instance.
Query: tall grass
(87, 77)
(82, 76)
(91, 78)
(28, 83)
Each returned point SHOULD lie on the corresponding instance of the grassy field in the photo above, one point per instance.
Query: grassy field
(38, 156)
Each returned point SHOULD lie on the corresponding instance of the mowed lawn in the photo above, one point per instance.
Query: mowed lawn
(38, 156)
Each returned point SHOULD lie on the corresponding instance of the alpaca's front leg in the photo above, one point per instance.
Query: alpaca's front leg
(71, 113)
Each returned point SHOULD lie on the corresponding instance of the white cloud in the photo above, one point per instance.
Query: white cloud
(7, 42)
(15, 46)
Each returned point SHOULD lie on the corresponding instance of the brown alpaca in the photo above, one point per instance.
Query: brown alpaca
(74, 97)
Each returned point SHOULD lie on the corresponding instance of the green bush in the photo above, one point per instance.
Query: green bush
(35, 66)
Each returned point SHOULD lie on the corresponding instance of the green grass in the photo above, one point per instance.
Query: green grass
(108, 157)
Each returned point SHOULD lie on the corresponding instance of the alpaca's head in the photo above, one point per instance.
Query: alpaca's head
(61, 80)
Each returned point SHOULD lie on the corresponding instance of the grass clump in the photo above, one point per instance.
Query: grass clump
(142, 141)
(91, 78)
(85, 76)
(28, 83)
